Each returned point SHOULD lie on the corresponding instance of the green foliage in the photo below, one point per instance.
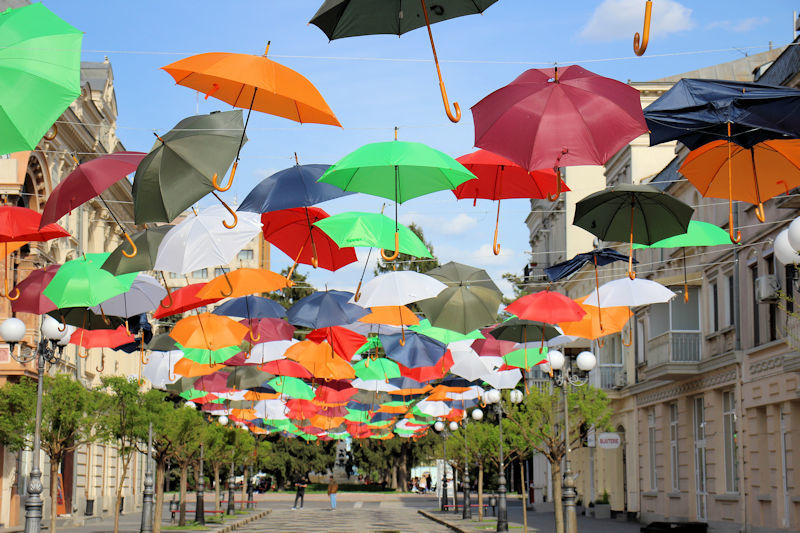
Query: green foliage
(477, 441)
(18, 406)
(289, 458)
(124, 419)
(518, 283)
(408, 262)
(291, 295)
(69, 416)
(603, 499)
(184, 433)
(378, 459)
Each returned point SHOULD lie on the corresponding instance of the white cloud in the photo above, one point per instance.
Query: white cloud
(434, 224)
(460, 224)
(616, 20)
(738, 26)
(484, 256)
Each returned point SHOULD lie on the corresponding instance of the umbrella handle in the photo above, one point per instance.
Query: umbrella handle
(106, 321)
(637, 49)
(169, 294)
(50, 136)
(225, 273)
(601, 343)
(253, 336)
(630, 339)
(231, 211)
(85, 353)
(396, 249)
(8, 294)
(495, 245)
(133, 247)
(551, 198)
(215, 177)
(315, 261)
(357, 295)
(453, 117)
(102, 363)
(402, 336)
(735, 239)
(760, 212)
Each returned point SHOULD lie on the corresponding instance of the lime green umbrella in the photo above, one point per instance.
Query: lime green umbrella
(371, 230)
(40, 56)
(208, 357)
(292, 387)
(525, 358)
(444, 335)
(82, 283)
(356, 415)
(371, 344)
(339, 436)
(306, 436)
(380, 368)
(192, 394)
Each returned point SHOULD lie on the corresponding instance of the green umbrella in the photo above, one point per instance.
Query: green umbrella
(398, 171)
(40, 56)
(192, 394)
(146, 242)
(444, 335)
(372, 343)
(85, 318)
(355, 415)
(381, 368)
(371, 230)
(525, 358)
(637, 213)
(524, 331)
(209, 357)
(82, 283)
(292, 387)
(180, 168)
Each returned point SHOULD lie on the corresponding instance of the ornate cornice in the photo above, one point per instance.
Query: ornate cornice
(714, 380)
(767, 364)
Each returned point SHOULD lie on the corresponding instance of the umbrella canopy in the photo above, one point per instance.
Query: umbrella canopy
(267, 329)
(241, 282)
(504, 379)
(205, 357)
(525, 358)
(399, 288)
(295, 186)
(146, 242)
(270, 351)
(83, 317)
(202, 241)
(380, 368)
(438, 370)
(246, 377)
(181, 166)
(20, 224)
(546, 306)
(100, 338)
(161, 343)
(183, 299)
(517, 330)
(392, 315)
(292, 387)
(160, 366)
(251, 307)
(417, 350)
(285, 367)
(556, 117)
(41, 58)
(324, 309)
(143, 296)
(591, 327)
(373, 385)
(320, 360)
(698, 234)
(489, 346)
(601, 257)
(446, 336)
(208, 332)
(345, 342)
(467, 363)
(82, 283)
(629, 293)
(372, 230)
(31, 299)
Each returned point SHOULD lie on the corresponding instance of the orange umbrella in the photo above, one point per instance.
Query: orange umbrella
(247, 414)
(187, 368)
(439, 393)
(241, 282)
(590, 327)
(320, 360)
(253, 396)
(393, 409)
(722, 169)
(208, 332)
(253, 82)
(391, 315)
(326, 422)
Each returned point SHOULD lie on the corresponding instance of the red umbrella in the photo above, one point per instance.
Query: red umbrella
(183, 299)
(556, 117)
(489, 346)
(285, 367)
(546, 306)
(101, 338)
(90, 179)
(267, 330)
(339, 391)
(31, 299)
(240, 359)
(333, 412)
(438, 370)
(301, 408)
(291, 230)
(500, 179)
(345, 342)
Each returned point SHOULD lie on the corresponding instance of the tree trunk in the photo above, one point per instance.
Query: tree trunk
(126, 460)
(159, 503)
(402, 474)
(53, 492)
(393, 478)
(524, 496)
(555, 479)
(216, 488)
(184, 476)
(245, 481)
(480, 491)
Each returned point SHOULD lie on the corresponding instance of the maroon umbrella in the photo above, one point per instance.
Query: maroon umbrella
(216, 382)
(557, 117)
(285, 367)
(90, 179)
(491, 346)
(31, 299)
(267, 330)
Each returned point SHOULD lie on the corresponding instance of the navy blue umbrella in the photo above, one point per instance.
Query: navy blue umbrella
(382, 417)
(325, 309)
(696, 112)
(137, 325)
(600, 257)
(418, 350)
(456, 381)
(406, 383)
(293, 187)
(251, 307)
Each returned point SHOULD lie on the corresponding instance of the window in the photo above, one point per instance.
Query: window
(246, 255)
(640, 342)
(773, 308)
(675, 315)
(701, 477)
(220, 271)
(789, 274)
(673, 447)
(200, 274)
(173, 275)
(729, 435)
(651, 435)
(756, 319)
(714, 307)
(729, 307)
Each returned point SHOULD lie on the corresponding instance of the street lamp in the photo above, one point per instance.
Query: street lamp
(466, 514)
(439, 427)
(12, 330)
(563, 374)
(494, 398)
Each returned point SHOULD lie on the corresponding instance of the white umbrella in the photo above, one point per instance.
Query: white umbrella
(159, 368)
(506, 379)
(365, 329)
(272, 409)
(434, 408)
(398, 288)
(493, 362)
(269, 351)
(626, 292)
(373, 385)
(201, 241)
(467, 363)
(472, 393)
(236, 395)
(144, 295)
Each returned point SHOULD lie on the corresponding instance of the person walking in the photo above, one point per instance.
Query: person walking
(333, 488)
(301, 483)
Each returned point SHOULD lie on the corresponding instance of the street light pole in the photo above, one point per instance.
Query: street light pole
(467, 511)
(502, 504)
(443, 501)
(147, 498)
(231, 485)
(568, 493)
(199, 506)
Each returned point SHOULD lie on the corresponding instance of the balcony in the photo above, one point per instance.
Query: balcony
(673, 354)
(612, 377)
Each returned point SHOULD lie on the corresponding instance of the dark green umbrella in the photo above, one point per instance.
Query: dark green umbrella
(162, 343)
(636, 213)
(247, 377)
(180, 168)
(181, 385)
(83, 317)
(470, 300)
(524, 331)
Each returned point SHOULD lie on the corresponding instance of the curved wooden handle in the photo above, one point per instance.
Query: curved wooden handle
(106, 320)
(630, 339)
(235, 217)
(133, 246)
(50, 136)
(760, 212)
(85, 353)
(738, 238)
(143, 358)
(551, 198)
(215, 178)
(600, 343)
(638, 49)
(254, 336)
(453, 117)
(495, 245)
(8, 294)
(230, 287)
(169, 294)
(402, 336)
(396, 249)
(102, 364)
(357, 295)
(685, 293)
(314, 261)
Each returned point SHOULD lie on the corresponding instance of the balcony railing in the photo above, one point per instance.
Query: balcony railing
(674, 347)
(611, 377)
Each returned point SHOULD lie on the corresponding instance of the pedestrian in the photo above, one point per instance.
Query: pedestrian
(301, 483)
(333, 488)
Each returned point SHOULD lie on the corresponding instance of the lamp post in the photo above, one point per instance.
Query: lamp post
(567, 371)
(494, 398)
(231, 485)
(466, 514)
(147, 497)
(12, 331)
(199, 506)
(441, 429)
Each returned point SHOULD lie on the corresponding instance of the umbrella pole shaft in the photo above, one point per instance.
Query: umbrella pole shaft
(246, 121)
(631, 274)
(597, 287)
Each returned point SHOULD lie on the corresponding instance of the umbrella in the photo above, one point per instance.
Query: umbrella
(324, 309)
(546, 306)
(392, 315)
(504, 379)
(517, 330)
(241, 282)
(408, 387)
(162, 343)
(380, 368)
(334, 392)
(285, 367)
(251, 307)
(437, 370)
(413, 351)
(270, 351)
(601, 257)
(143, 296)
(626, 292)
(100, 338)
(343, 342)
(292, 231)
(398, 171)
(295, 186)
(216, 382)
(30, 298)
(524, 358)
(83, 317)
(638, 213)
(90, 180)
(489, 346)
(82, 283)
(469, 301)
(206, 357)
(500, 179)
(348, 18)
(246, 377)
(467, 363)
(159, 367)
(237, 79)
(208, 332)
(374, 385)
(41, 58)
(591, 327)
(182, 300)
(433, 408)
(698, 234)
(182, 165)
(267, 329)
(445, 335)
(199, 242)
(320, 360)
(292, 387)
(556, 117)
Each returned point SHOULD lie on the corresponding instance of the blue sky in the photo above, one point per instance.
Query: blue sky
(375, 83)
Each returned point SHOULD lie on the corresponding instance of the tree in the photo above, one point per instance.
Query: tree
(18, 405)
(291, 295)
(162, 414)
(481, 440)
(243, 446)
(538, 420)
(519, 284)
(218, 450)
(409, 262)
(185, 433)
(392, 459)
(290, 457)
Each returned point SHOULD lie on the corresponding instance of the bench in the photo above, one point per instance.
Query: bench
(486, 507)
(176, 510)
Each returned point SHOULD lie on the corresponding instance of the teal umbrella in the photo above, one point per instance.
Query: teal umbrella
(82, 283)
(40, 55)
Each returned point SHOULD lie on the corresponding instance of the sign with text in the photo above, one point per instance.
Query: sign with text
(608, 441)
